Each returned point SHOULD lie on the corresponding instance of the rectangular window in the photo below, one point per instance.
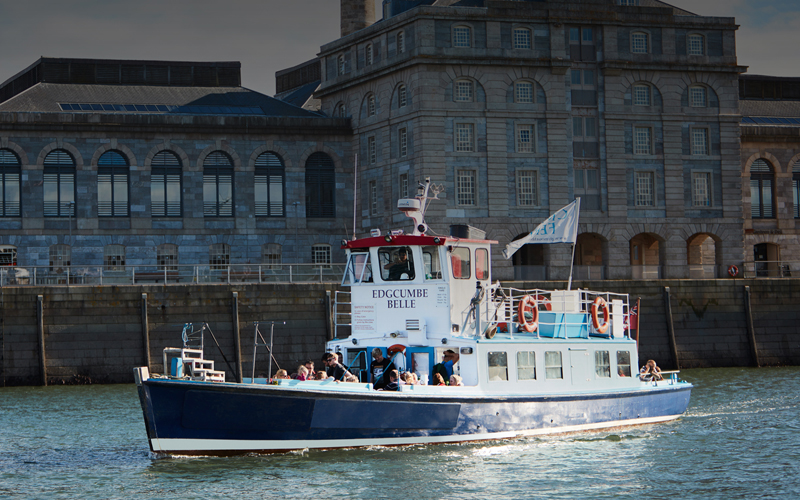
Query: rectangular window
(404, 186)
(465, 187)
(465, 137)
(697, 45)
(114, 257)
(269, 193)
(645, 189)
(642, 140)
(498, 366)
(525, 139)
(522, 38)
(587, 187)
(623, 363)
(588, 35)
(700, 141)
(219, 256)
(527, 192)
(373, 150)
(640, 43)
(698, 97)
(342, 66)
(641, 95)
(701, 193)
(796, 195)
(112, 192)
(462, 36)
(481, 264)
(165, 192)
(218, 192)
(401, 42)
(368, 54)
(402, 139)
(464, 91)
(10, 192)
(761, 198)
(321, 254)
(167, 257)
(373, 197)
(524, 92)
(602, 364)
(59, 191)
(575, 77)
(552, 365)
(526, 365)
(460, 261)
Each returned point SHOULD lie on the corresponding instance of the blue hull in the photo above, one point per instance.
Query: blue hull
(191, 418)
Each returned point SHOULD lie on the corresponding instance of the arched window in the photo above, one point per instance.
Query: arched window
(462, 36)
(698, 96)
(60, 257)
(402, 97)
(796, 189)
(219, 256)
(761, 199)
(10, 171)
(640, 42)
(642, 95)
(218, 185)
(368, 54)
(522, 38)
(696, 44)
(341, 110)
(320, 186)
(59, 184)
(112, 185)
(271, 254)
(167, 256)
(270, 185)
(165, 185)
(464, 91)
(371, 106)
(114, 257)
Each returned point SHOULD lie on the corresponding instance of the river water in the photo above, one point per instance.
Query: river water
(740, 438)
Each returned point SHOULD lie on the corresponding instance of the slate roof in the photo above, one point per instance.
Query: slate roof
(49, 97)
(302, 96)
(761, 108)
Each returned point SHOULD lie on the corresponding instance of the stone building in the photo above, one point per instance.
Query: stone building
(770, 108)
(518, 107)
(114, 163)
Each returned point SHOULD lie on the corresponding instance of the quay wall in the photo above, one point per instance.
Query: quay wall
(97, 334)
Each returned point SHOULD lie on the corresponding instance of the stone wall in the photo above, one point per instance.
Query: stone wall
(94, 334)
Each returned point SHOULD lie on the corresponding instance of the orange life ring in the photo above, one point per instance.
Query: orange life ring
(528, 302)
(733, 271)
(395, 348)
(600, 303)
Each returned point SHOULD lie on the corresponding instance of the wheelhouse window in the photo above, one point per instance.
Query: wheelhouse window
(359, 269)
(433, 266)
(460, 262)
(167, 257)
(59, 184)
(112, 185)
(270, 184)
(397, 263)
(10, 172)
(526, 365)
(522, 38)
(481, 264)
(623, 363)
(523, 92)
(697, 44)
(466, 188)
(219, 256)
(602, 364)
(553, 369)
(321, 255)
(640, 43)
(114, 257)
(498, 366)
(165, 185)
(462, 37)
(60, 257)
(218, 185)
(761, 199)
(320, 186)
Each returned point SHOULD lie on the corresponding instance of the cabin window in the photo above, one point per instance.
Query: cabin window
(552, 365)
(397, 263)
(481, 264)
(459, 258)
(433, 267)
(623, 363)
(498, 366)
(359, 269)
(526, 365)
(602, 364)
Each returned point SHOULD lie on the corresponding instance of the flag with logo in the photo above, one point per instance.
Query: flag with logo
(561, 227)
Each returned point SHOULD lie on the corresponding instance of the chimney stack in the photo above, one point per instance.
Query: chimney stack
(357, 15)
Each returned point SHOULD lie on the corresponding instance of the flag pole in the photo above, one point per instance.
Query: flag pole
(569, 284)
(574, 243)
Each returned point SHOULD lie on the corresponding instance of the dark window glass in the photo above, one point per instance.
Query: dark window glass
(112, 185)
(320, 186)
(218, 185)
(165, 185)
(796, 191)
(761, 199)
(10, 171)
(59, 184)
(269, 186)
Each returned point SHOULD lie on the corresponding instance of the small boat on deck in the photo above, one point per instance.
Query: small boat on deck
(532, 362)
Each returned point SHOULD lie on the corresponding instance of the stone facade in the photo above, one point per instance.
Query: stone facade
(519, 107)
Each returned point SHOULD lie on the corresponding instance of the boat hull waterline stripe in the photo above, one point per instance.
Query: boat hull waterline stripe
(204, 446)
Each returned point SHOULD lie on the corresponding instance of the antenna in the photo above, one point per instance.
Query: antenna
(416, 207)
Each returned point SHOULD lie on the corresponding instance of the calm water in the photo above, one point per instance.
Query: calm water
(739, 439)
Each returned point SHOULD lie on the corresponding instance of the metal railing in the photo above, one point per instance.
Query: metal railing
(770, 269)
(135, 275)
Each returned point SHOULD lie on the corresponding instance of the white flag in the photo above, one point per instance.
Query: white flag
(561, 227)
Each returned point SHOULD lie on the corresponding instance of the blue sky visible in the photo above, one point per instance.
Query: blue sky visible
(269, 35)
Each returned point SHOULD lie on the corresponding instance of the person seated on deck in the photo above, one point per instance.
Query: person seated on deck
(378, 368)
(650, 371)
(282, 374)
(320, 375)
(333, 368)
(302, 372)
(455, 381)
(349, 377)
(393, 384)
(400, 268)
(310, 366)
(437, 379)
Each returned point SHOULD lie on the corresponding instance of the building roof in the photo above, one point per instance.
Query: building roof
(758, 108)
(148, 99)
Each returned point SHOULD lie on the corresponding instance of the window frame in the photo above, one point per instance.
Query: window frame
(634, 97)
(61, 170)
(368, 55)
(321, 255)
(549, 365)
(519, 96)
(466, 196)
(638, 146)
(167, 256)
(533, 174)
(402, 140)
(460, 85)
(581, 187)
(693, 102)
(10, 167)
(695, 146)
(402, 96)
(457, 256)
(116, 174)
(372, 189)
(796, 189)
(166, 169)
(496, 369)
(403, 185)
(320, 184)
(764, 182)
(459, 42)
(464, 137)
(114, 261)
(271, 172)
(372, 150)
(689, 44)
(640, 36)
(640, 197)
(602, 364)
(515, 39)
(400, 40)
(621, 364)
(525, 364)
(219, 256)
(697, 201)
(218, 172)
(372, 106)
(341, 63)
(268, 253)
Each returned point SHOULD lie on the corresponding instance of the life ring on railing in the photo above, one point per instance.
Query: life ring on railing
(392, 349)
(541, 299)
(733, 271)
(600, 303)
(528, 303)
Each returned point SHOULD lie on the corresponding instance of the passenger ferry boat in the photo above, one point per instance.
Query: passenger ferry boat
(532, 362)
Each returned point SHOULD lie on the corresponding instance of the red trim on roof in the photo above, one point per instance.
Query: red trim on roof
(407, 239)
